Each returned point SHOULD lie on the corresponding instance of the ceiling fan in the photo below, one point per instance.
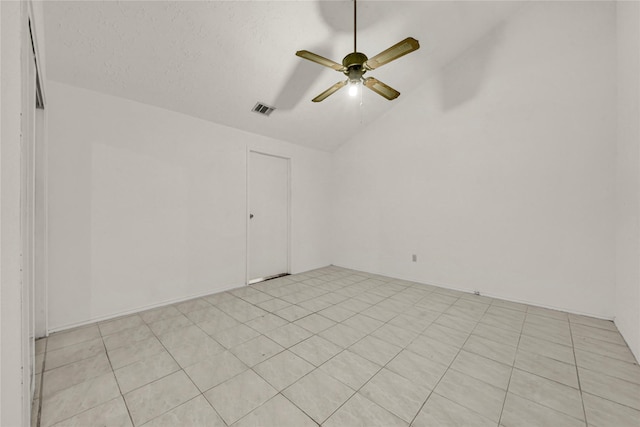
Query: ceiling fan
(356, 64)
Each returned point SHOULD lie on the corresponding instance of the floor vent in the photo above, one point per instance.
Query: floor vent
(264, 279)
(263, 109)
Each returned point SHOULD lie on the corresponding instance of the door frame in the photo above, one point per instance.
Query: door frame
(19, 27)
(41, 186)
(27, 213)
(247, 278)
(33, 225)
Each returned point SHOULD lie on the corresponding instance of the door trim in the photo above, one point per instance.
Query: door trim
(247, 279)
(41, 186)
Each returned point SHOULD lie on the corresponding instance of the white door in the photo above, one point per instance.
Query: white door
(268, 216)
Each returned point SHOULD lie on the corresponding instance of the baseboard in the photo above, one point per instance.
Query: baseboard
(440, 285)
(495, 296)
(139, 309)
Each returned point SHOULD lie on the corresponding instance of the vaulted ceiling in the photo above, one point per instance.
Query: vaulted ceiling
(216, 59)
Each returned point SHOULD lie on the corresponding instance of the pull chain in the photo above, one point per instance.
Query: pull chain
(361, 104)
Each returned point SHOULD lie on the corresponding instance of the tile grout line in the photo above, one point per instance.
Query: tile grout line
(552, 380)
(344, 349)
(113, 372)
(448, 367)
(110, 366)
(443, 374)
(308, 373)
(155, 335)
(371, 334)
(200, 393)
(398, 297)
(274, 355)
(420, 334)
(44, 361)
(40, 395)
(513, 364)
(331, 358)
(575, 360)
(155, 380)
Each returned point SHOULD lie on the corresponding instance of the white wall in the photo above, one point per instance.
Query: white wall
(12, 392)
(627, 307)
(148, 206)
(499, 171)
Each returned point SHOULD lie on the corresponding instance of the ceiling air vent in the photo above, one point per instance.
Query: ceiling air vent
(263, 109)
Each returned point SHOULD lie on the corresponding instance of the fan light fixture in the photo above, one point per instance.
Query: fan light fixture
(355, 64)
(354, 88)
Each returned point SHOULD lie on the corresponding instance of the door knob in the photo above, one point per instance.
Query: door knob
(250, 216)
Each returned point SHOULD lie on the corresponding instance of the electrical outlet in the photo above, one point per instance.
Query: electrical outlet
(414, 258)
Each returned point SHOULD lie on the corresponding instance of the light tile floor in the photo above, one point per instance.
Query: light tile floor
(337, 347)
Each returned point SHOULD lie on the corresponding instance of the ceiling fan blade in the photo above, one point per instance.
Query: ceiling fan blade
(330, 91)
(381, 89)
(402, 48)
(320, 60)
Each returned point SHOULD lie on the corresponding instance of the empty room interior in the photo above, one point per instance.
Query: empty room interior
(320, 213)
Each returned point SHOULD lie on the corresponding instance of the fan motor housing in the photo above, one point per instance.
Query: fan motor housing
(354, 66)
(355, 58)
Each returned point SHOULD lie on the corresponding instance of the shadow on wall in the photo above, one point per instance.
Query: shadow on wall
(302, 78)
(464, 76)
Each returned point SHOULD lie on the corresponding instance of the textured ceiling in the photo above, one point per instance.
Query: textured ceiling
(215, 60)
